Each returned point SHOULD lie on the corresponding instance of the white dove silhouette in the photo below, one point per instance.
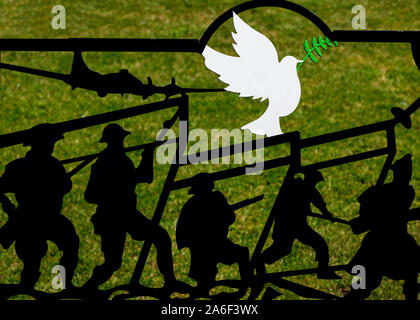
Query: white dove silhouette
(257, 73)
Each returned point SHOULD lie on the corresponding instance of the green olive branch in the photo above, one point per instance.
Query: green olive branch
(316, 45)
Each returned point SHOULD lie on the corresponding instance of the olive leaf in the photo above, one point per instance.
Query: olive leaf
(316, 45)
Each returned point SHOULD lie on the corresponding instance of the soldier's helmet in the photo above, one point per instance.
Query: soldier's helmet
(313, 175)
(42, 133)
(202, 183)
(113, 132)
(403, 167)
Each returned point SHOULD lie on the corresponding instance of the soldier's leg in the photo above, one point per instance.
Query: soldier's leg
(31, 252)
(311, 238)
(280, 248)
(112, 246)
(65, 237)
(411, 287)
(233, 253)
(140, 228)
(203, 269)
(162, 242)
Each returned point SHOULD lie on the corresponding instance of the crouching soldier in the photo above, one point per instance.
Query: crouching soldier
(203, 227)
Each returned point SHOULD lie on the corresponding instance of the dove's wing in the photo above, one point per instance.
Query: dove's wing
(253, 72)
(251, 44)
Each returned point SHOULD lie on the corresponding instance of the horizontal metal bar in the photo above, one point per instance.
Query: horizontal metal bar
(348, 133)
(179, 45)
(375, 36)
(101, 44)
(242, 147)
(10, 139)
(234, 172)
(292, 273)
(347, 159)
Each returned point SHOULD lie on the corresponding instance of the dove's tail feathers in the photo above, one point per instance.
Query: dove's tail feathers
(264, 125)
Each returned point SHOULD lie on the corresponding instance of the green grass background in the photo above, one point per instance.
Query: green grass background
(353, 84)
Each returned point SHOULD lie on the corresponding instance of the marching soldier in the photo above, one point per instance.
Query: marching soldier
(203, 227)
(39, 182)
(387, 249)
(290, 224)
(111, 186)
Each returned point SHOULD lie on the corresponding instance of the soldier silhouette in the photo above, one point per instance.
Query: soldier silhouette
(387, 249)
(112, 184)
(203, 227)
(39, 182)
(290, 223)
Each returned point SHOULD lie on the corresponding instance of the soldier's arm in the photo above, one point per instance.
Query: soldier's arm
(7, 181)
(144, 172)
(67, 183)
(221, 202)
(319, 202)
(91, 191)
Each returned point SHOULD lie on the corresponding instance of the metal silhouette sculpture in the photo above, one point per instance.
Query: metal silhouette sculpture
(290, 223)
(388, 249)
(112, 186)
(203, 227)
(39, 182)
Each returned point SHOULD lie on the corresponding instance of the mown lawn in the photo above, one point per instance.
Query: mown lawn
(353, 84)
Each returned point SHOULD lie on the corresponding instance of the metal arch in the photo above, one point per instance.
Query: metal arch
(253, 4)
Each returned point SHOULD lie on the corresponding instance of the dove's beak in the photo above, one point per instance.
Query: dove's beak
(299, 61)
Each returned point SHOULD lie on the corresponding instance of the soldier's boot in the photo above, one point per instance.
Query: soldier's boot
(202, 290)
(163, 246)
(244, 265)
(411, 289)
(243, 262)
(100, 275)
(258, 281)
(29, 278)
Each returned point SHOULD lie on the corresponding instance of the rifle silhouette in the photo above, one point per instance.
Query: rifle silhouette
(91, 157)
(413, 216)
(246, 202)
(332, 219)
(121, 82)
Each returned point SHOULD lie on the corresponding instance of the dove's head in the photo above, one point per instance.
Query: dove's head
(289, 60)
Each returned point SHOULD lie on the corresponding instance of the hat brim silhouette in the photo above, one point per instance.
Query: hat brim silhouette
(202, 182)
(42, 133)
(113, 132)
